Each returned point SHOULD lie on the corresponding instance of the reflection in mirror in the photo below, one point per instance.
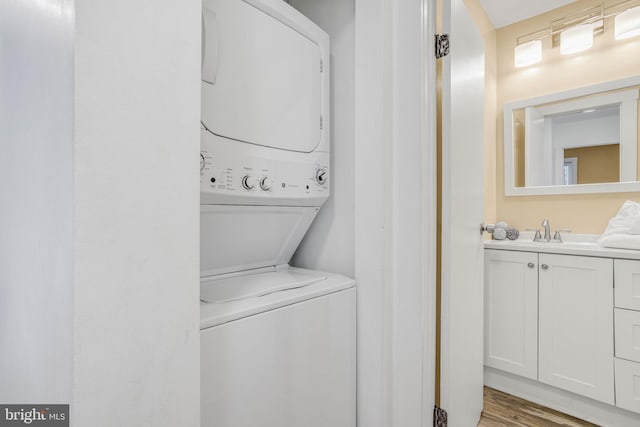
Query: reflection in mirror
(576, 139)
(566, 148)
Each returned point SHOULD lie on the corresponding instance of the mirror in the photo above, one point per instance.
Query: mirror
(578, 141)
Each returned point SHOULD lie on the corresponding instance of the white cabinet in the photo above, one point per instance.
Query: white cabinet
(567, 320)
(511, 312)
(576, 325)
(549, 317)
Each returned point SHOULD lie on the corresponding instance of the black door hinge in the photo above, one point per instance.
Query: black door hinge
(442, 45)
(439, 417)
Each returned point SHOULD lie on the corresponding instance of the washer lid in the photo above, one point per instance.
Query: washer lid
(311, 284)
(255, 285)
(261, 78)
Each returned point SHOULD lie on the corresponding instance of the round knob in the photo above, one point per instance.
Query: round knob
(266, 184)
(321, 176)
(489, 228)
(202, 161)
(531, 265)
(544, 266)
(248, 182)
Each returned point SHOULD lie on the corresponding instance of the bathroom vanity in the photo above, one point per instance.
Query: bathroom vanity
(562, 326)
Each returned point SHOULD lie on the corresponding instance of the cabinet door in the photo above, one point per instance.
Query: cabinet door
(627, 334)
(628, 385)
(576, 325)
(511, 312)
(627, 290)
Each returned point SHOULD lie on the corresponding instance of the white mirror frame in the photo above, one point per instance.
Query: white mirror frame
(509, 177)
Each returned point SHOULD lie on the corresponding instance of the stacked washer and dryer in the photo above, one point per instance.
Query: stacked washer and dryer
(278, 344)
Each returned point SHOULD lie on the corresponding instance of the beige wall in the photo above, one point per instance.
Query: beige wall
(607, 60)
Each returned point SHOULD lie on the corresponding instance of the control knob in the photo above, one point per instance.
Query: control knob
(248, 182)
(321, 176)
(266, 184)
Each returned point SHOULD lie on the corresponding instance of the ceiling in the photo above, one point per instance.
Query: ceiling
(505, 12)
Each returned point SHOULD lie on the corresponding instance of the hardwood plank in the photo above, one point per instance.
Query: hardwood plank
(504, 410)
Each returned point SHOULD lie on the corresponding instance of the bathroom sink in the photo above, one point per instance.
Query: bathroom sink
(570, 244)
(578, 244)
(542, 245)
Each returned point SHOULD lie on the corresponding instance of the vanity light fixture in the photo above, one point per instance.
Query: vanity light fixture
(627, 24)
(574, 32)
(528, 53)
(576, 39)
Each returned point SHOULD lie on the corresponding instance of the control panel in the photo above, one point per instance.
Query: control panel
(229, 178)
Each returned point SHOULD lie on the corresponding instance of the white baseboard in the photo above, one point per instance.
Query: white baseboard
(580, 407)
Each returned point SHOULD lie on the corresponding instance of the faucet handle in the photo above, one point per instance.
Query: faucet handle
(557, 236)
(538, 236)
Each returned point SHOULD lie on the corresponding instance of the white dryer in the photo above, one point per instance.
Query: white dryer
(278, 344)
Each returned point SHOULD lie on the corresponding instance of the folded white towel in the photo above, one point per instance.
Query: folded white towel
(621, 241)
(623, 225)
(629, 209)
(623, 230)
(634, 227)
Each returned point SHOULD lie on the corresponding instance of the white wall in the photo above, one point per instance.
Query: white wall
(329, 243)
(375, 387)
(36, 201)
(137, 103)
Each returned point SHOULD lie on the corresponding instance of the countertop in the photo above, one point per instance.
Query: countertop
(573, 244)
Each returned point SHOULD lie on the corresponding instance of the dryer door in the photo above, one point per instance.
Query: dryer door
(261, 77)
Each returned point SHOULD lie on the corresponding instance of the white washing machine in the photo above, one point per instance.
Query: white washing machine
(278, 344)
(278, 350)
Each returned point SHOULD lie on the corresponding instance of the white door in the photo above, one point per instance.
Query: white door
(576, 325)
(462, 213)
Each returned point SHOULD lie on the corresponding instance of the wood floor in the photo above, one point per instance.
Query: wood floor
(502, 410)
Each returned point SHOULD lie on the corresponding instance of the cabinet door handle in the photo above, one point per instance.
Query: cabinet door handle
(531, 265)
(544, 266)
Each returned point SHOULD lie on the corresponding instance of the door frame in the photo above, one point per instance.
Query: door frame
(395, 208)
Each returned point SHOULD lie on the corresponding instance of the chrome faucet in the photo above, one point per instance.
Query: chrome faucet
(547, 232)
